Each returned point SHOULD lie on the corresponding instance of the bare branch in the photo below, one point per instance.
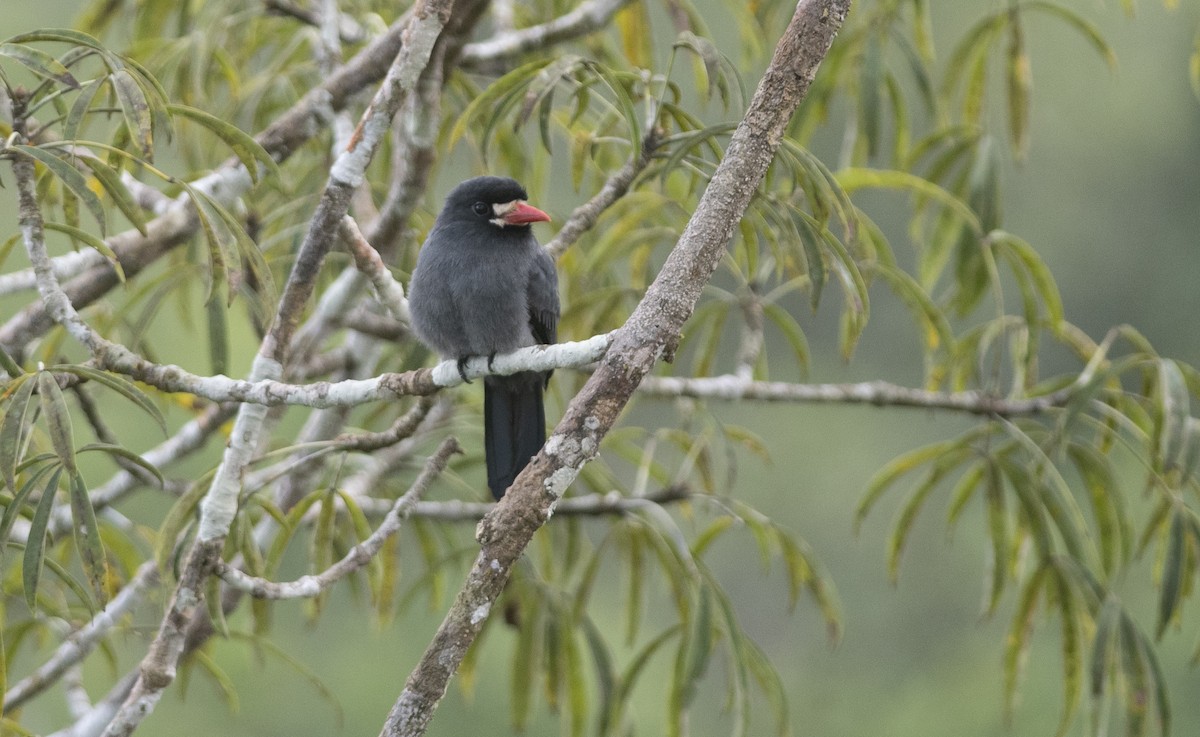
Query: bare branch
(588, 17)
(388, 291)
(351, 392)
(590, 505)
(358, 556)
(879, 393)
(349, 30)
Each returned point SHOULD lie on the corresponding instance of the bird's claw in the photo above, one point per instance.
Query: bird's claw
(491, 357)
(462, 368)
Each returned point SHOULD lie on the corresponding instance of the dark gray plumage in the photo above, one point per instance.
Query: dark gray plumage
(483, 285)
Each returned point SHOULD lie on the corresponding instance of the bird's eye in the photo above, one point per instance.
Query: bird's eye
(481, 208)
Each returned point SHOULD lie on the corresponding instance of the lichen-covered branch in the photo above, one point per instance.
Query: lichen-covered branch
(880, 393)
(589, 505)
(587, 17)
(368, 261)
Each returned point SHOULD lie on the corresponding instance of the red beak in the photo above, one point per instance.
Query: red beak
(524, 214)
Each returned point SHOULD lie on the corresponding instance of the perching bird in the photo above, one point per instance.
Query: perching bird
(483, 285)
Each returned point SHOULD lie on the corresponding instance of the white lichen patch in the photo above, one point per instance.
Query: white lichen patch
(558, 481)
(480, 613)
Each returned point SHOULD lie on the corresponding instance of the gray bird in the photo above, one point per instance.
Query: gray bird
(483, 285)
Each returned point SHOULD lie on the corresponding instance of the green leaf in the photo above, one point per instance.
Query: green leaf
(1023, 254)
(12, 429)
(869, 84)
(124, 454)
(937, 331)
(624, 103)
(65, 35)
(1171, 442)
(1174, 568)
(907, 516)
(13, 510)
(853, 179)
(708, 55)
(526, 652)
(1085, 28)
(488, 99)
(1020, 631)
(1104, 645)
(87, 238)
(87, 538)
(1112, 519)
(70, 178)
(116, 189)
(998, 534)
(173, 525)
(792, 333)
(1072, 652)
(80, 108)
(39, 62)
(247, 150)
(119, 384)
(136, 110)
(1019, 74)
(218, 334)
(31, 565)
(58, 419)
(11, 367)
(893, 470)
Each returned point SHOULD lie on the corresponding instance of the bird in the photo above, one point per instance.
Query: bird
(483, 285)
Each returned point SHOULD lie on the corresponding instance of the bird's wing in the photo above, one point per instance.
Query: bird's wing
(542, 298)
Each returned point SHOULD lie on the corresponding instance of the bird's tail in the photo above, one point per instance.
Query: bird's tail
(514, 425)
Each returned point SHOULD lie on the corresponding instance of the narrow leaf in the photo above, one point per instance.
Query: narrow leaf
(87, 538)
(247, 150)
(70, 178)
(136, 110)
(31, 566)
(39, 62)
(58, 419)
(12, 429)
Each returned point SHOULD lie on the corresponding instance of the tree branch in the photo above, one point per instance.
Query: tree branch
(588, 17)
(879, 393)
(590, 505)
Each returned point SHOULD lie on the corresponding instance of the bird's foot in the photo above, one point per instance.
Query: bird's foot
(462, 368)
(491, 357)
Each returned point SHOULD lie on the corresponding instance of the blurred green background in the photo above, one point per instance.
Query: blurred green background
(1110, 195)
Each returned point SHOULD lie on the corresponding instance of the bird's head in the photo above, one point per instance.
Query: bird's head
(499, 201)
